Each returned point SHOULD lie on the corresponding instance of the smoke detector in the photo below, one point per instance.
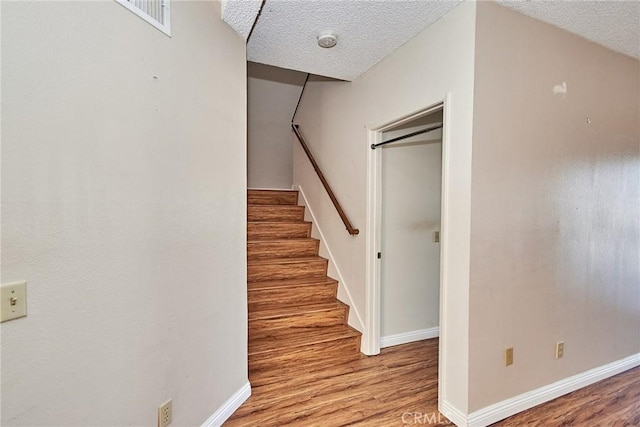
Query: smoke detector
(327, 39)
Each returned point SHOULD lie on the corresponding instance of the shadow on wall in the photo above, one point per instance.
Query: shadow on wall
(272, 96)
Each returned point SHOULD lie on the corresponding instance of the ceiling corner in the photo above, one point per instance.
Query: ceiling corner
(240, 15)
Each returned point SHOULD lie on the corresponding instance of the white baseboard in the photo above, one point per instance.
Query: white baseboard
(407, 337)
(453, 414)
(229, 407)
(506, 408)
(342, 285)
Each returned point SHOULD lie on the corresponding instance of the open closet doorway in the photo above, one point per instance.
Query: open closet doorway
(410, 209)
(410, 157)
(429, 295)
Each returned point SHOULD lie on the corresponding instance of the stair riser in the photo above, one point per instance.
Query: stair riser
(259, 231)
(310, 354)
(296, 270)
(272, 198)
(266, 298)
(320, 366)
(289, 249)
(275, 213)
(333, 317)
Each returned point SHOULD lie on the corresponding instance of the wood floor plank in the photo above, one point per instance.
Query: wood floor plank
(377, 391)
(613, 401)
(336, 394)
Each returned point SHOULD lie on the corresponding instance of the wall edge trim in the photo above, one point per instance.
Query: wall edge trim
(227, 409)
(411, 336)
(452, 413)
(524, 401)
(341, 282)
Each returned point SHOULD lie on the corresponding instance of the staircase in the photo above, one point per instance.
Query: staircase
(295, 319)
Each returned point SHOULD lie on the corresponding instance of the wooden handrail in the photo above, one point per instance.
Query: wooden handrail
(343, 216)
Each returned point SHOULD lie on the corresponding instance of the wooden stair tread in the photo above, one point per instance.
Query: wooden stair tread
(255, 262)
(294, 309)
(274, 205)
(277, 207)
(281, 248)
(275, 213)
(284, 240)
(267, 230)
(290, 283)
(272, 197)
(269, 191)
(274, 223)
(269, 269)
(299, 337)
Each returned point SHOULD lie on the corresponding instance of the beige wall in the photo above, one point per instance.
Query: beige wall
(555, 206)
(123, 206)
(273, 94)
(335, 117)
(410, 266)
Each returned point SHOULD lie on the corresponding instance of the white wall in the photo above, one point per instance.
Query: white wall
(556, 206)
(123, 206)
(273, 94)
(410, 265)
(335, 117)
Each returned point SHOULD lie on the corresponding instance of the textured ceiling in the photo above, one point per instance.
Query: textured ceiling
(369, 30)
(614, 24)
(240, 14)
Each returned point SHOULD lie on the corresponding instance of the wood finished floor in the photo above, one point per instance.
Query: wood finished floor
(377, 391)
(613, 402)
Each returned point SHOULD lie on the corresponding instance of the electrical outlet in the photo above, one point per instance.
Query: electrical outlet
(165, 414)
(559, 349)
(508, 356)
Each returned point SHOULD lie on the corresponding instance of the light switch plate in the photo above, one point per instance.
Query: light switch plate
(13, 301)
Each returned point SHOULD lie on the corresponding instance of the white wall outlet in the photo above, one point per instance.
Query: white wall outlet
(13, 302)
(165, 414)
(508, 356)
(559, 349)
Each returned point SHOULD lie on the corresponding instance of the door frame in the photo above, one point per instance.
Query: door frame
(371, 337)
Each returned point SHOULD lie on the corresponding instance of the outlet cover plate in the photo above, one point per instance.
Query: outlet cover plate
(508, 356)
(559, 349)
(165, 414)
